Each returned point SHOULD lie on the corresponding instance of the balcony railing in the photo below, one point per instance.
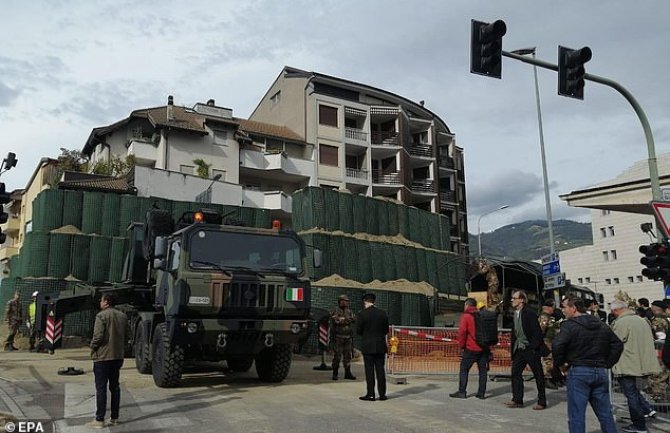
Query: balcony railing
(383, 111)
(389, 178)
(421, 150)
(448, 197)
(355, 134)
(385, 138)
(453, 231)
(357, 173)
(422, 186)
(447, 162)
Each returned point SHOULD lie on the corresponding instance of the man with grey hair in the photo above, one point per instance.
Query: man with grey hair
(638, 360)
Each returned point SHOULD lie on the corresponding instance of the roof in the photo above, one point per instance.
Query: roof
(109, 184)
(269, 129)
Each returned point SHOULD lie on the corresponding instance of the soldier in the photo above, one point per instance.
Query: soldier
(342, 320)
(35, 338)
(658, 383)
(550, 326)
(13, 320)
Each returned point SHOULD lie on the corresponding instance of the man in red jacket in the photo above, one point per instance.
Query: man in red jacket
(472, 352)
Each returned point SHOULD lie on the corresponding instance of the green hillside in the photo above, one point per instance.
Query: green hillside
(529, 240)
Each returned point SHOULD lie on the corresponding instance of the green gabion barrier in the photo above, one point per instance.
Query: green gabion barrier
(263, 218)
(359, 213)
(116, 258)
(15, 269)
(80, 256)
(91, 219)
(372, 218)
(394, 223)
(180, 207)
(389, 262)
(421, 268)
(378, 265)
(129, 206)
(350, 261)
(111, 207)
(346, 213)
(382, 216)
(364, 257)
(433, 227)
(98, 268)
(403, 220)
(400, 261)
(72, 208)
(445, 233)
(36, 248)
(60, 246)
(332, 200)
(47, 210)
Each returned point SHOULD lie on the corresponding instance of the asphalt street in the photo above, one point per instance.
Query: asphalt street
(307, 401)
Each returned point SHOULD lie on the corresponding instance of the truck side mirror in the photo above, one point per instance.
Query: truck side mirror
(160, 249)
(318, 257)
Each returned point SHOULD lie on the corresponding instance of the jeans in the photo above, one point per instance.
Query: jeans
(107, 372)
(520, 359)
(469, 358)
(637, 405)
(589, 385)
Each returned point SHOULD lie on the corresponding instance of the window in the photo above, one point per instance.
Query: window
(605, 212)
(606, 256)
(328, 155)
(276, 98)
(220, 137)
(613, 254)
(587, 279)
(608, 281)
(186, 169)
(616, 281)
(216, 171)
(603, 232)
(327, 115)
(640, 279)
(631, 279)
(611, 229)
(580, 280)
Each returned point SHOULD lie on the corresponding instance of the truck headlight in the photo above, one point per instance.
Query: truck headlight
(192, 328)
(295, 328)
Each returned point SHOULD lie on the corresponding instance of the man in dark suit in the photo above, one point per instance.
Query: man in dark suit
(373, 326)
(527, 349)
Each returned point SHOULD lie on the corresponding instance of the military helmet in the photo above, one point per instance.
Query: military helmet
(343, 298)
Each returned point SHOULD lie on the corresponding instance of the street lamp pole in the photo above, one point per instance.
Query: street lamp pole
(547, 199)
(479, 231)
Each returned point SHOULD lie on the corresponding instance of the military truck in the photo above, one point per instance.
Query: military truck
(207, 289)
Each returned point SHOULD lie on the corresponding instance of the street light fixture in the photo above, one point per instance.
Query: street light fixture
(547, 199)
(206, 195)
(479, 220)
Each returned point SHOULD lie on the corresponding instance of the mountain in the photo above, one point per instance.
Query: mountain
(529, 240)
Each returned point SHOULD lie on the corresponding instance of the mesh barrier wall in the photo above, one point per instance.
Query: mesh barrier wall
(382, 216)
(331, 201)
(111, 208)
(116, 257)
(98, 268)
(91, 219)
(60, 246)
(371, 217)
(72, 208)
(346, 211)
(80, 256)
(36, 246)
(53, 209)
(364, 257)
(359, 213)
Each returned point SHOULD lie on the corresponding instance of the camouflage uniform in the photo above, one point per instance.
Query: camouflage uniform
(658, 383)
(13, 321)
(342, 320)
(550, 327)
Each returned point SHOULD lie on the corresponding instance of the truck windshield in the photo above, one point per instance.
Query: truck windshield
(234, 251)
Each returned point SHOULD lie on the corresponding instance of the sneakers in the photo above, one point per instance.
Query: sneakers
(95, 424)
(514, 404)
(481, 396)
(458, 394)
(651, 414)
(632, 429)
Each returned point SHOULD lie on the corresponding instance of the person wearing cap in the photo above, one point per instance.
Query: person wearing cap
(550, 327)
(32, 324)
(638, 360)
(594, 310)
(373, 326)
(342, 320)
(658, 383)
(13, 320)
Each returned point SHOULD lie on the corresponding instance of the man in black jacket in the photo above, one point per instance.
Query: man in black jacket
(373, 326)
(590, 348)
(527, 348)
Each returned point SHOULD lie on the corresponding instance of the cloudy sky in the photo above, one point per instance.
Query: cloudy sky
(67, 67)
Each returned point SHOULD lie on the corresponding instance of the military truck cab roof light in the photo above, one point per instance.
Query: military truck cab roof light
(198, 217)
(276, 224)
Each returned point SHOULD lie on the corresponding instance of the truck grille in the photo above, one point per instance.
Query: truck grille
(241, 295)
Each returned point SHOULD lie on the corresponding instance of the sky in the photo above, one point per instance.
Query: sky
(67, 67)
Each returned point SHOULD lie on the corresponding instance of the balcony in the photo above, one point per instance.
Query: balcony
(144, 151)
(7, 252)
(453, 232)
(273, 200)
(355, 134)
(423, 150)
(385, 138)
(448, 197)
(12, 225)
(278, 166)
(356, 174)
(447, 162)
(388, 178)
(423, 186)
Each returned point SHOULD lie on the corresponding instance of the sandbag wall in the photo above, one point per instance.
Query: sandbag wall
(344, 220)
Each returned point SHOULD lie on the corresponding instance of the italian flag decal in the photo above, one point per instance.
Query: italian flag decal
(294, 294)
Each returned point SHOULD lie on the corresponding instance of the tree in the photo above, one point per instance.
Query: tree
(115, 166)
(203, 168)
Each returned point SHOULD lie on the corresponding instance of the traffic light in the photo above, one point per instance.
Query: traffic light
(571, 71)
(4, 216)
(486, 48)
(657, 261)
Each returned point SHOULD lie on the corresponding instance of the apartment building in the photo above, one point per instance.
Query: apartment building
(619, 207)
(372, 142)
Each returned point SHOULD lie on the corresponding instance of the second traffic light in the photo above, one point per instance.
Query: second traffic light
(656, 261)
(571, 71)
(486, 48)
(4, 216)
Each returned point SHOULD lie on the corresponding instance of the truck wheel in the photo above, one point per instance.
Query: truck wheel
(158, 223)
(273, 363)
(142, 354)
(167, 362)
(240, 365)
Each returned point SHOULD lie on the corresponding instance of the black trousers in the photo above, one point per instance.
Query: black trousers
(520, 359)
(374, 365)
(469, 358)
(107, 372)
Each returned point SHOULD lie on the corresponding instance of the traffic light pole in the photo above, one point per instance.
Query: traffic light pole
(651, 148)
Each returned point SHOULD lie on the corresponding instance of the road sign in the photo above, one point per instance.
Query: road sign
(551, 272)
(551, 268)
(554, 281)
(665, 194)
(662, 212)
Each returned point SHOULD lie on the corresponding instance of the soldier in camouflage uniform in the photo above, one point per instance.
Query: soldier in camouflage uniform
(660, 324)
(13, 320)
(342, 320)
(550, 327)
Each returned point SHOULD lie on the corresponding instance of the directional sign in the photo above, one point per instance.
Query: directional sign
(662, 212)
(551, 268)
(554, 281)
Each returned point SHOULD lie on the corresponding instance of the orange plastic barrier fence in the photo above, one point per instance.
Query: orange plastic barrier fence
(419, 350)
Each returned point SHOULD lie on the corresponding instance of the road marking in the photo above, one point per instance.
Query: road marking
(11, 404)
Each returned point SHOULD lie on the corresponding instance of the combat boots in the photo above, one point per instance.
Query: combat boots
(348, 375)
(335, 369)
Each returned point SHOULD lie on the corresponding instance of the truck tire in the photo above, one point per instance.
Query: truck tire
(167, 363)
(240, 365)
(142, 352)
(273, 363)
(158, 223)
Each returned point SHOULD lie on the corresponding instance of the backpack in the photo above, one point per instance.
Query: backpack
(486, 328)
